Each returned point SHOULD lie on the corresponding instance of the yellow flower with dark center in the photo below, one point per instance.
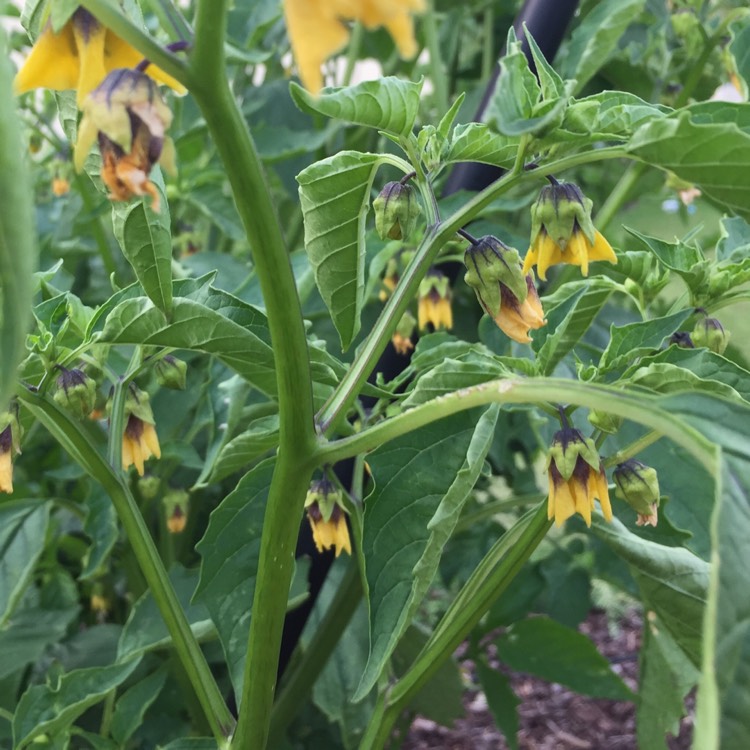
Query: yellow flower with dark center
(576, 478)
(60, 186)
(327, 517)
(139, 443)
(129, 118)
(79, 57)
(434, 306)
(562, 231)
(515, 318)
(317, 29)
(6, 461)
(176, 504)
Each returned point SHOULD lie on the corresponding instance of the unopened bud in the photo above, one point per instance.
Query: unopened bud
(396, 211)
(602, 420)
(638, 485)
(76, 392)
(171, 372)
(711, 334)
(176, 506)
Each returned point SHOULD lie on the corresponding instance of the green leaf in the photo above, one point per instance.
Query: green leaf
(663, 377)
(23, 530)
(409, 517)
(145, 630)
(101, 528)
(569, 319)
(502, 701)
(632, 340)
(390, 104)
(673, 583)
(739, 48)
(596, 39)
(146, 242)
(335, 198)
(557, 653)
(261, 435)
(715, 155)
(134, 703)
(475, 141)
(191, 743)
(229, 563)
(734, 244)
(18, 249)
(685, 260)
(666, 675)
(48, 709)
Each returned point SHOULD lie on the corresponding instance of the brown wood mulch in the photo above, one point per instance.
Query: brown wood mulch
(551, 717)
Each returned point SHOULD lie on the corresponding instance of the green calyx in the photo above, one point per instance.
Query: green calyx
(76, 392)
(568, 446)
(638, 485)
(435, 281)
(171, 373)
(396, 211)
(406, 325)
(711, 334)
(605, 422)
(326, 496)
(137, 404)
(560, 210)
(489, 263)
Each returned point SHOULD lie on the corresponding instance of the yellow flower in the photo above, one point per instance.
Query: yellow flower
(316, 29)
(401, 338)
(60, 186)
(139, 443)
(515, 318)
(562, 231)
(401, 344)
(79, 57)
(434, 304)
(176, 504)
(576, 478)
(6, 461)
(177, 521)
(129, 118)
(332, 533)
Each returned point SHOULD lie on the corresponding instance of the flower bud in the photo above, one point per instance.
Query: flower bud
(609, 423)
(176, 506)
(327, 517)
(638, 485)
(149, 487)
(60, 186)
(76, 392)
(171, 372)
(401, 338)
(434, 306)
(711, 334)
(396, 211)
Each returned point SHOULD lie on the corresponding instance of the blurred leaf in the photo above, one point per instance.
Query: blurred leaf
(714, 154)
(596, 39)
(146, 242)
(568, 321)
(18, 249)
(191, 743)
(667, 378)
(101, 528)
(23, 531)
(390, 104)
(47, 709)
(475, 141)
(421, 482)
(627, 342)
(734, 244)
(556, 653)
(335, 198)
(261, 435)
(502, 701)
(145, 629)
(666, 675)
(739, 48)
(134, 703)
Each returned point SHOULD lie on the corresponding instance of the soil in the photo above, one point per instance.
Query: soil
(551, 717)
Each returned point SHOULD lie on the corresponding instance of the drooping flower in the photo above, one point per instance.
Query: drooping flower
(638, 485)
(171, 372)
(709, 332)
(176, 504)
(434, 306)
(390, 279)
(76, 392)
(576, 478)
(317, 29)
(79, 56)
(562, 231)
(60, 186)
(10, 443)
(508, 296)
(129, 118)
(327, 517)
(401, 338)
(139, 440)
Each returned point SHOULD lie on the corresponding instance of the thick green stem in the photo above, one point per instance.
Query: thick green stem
(69, 435)
(490, 578)
(299, 684)
(428, 249)
(294, 467)
(619, 195)
(637, 407)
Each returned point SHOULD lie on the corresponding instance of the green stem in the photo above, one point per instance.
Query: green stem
(637, 407)
(633, 449)
(619, 195)
(297, 439)
(299, 684)
(107, 713)
(491, 577)
(427, 251)
(355, 44)
(112, 17)
(439, 81)
(69, 435)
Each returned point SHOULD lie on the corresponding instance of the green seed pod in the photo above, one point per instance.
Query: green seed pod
(76, 392)
(396, 211)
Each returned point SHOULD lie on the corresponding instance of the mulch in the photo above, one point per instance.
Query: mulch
(551, 717)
